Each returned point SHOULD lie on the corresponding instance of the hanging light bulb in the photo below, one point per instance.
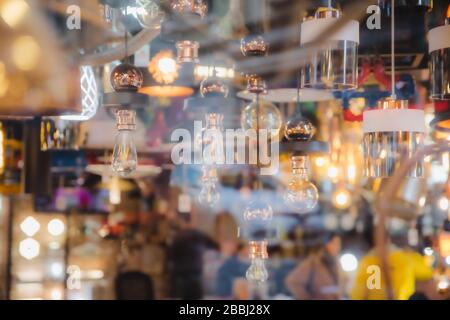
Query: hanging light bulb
(301, 195)
(124, 159)
(299, 128)
(126, 77)
(190, 7)
(149, 14)
(270, 118)
(209, 195)
(258, 210)
(257, 272)
(254, 45)
(214, 87)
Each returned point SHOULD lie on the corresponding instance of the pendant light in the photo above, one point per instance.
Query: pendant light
(335, 66)
(300, 195)
(392, 130)
(258, 115)
(211, 87)
(126, 79)
(439, 50)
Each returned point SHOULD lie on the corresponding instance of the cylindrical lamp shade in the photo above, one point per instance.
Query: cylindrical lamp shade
(392, 133)
(439, 50)
(335, 66)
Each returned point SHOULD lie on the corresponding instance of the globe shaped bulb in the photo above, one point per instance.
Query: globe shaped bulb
(126, 77)
(254, 45)
(301, 195)
(299, 129)
(149, 14)
(190, 7)
(269, 116)
(258, 210)
(214, 87)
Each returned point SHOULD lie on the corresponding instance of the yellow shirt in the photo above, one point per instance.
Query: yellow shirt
(406, 267)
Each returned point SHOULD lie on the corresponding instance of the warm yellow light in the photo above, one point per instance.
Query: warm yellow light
(341, 199)
(422, 201)
(26, 53)
(333, 172)
(4, 81)
(30, 226)
(29, 248)
(114, 191)
(320, 161)
(383, 154)
(167, 65)
(163, 67)
(351, 172)
(56, 294)
(2, 150)
(443, 203)
(56, 227)
(13, 12)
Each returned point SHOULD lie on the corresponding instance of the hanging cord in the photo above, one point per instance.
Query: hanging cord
(393, 95)
(258, 183)
(126, 33)
(298, 107)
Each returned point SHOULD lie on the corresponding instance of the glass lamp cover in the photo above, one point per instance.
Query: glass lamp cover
(195, 7)
(392, 132)
(268, 114)
(149, 14)
(439, 50)
(335, 66)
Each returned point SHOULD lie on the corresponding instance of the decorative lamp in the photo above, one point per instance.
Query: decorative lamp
(439, 50)
(334, 67)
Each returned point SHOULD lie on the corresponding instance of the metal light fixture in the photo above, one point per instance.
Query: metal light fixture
(392, 131)
(335, 66)
(439, 50)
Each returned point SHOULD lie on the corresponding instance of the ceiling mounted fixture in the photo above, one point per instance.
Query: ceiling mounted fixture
(392, 131)
(439, 50)
(335, 66)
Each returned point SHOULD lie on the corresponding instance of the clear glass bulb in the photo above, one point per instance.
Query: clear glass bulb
(209, 195)
(301, 195)
(258, 210)
(267, 117)
(124, 155)
(149, 14)
(257, 271)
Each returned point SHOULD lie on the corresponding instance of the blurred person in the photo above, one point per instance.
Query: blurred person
(318, 277)
(233, 268)
(406, 268)
(185, 259)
